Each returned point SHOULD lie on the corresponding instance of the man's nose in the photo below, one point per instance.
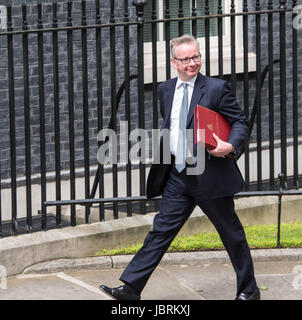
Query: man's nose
(192, 61)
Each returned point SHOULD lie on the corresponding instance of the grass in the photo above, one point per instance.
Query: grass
(262, 236)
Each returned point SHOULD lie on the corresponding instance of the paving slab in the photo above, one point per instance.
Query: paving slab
(218, 281)
(212, 281)
(47, 287)
(173, 289)
(279, 280)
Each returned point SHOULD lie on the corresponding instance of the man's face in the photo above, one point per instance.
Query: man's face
(186, 71)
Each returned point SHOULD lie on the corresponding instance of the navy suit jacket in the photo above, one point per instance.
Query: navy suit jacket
(221, 176)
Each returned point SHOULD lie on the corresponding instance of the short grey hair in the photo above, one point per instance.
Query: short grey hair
(186, 38)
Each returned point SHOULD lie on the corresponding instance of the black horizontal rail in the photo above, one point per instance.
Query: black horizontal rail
(218, 15)
(69, 28)
(143, 198)
(131, 23)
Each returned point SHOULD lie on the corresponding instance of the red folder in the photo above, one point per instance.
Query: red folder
(211, 122)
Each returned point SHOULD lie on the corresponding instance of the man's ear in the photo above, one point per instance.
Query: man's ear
(173, 62)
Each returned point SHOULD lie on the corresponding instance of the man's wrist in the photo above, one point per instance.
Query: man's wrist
(234, 151)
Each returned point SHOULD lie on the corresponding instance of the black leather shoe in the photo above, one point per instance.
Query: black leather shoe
(245, 296)
(121, 293)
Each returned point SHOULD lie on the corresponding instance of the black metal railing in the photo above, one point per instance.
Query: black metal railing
(71, 69)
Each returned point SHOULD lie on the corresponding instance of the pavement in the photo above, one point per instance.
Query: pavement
(206, 275)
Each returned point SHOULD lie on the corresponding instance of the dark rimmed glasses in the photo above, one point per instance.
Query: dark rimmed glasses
(185, 61)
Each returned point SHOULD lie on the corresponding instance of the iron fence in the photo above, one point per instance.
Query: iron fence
(77, 67)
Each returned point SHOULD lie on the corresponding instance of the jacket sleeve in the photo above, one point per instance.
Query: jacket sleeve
(229, 108)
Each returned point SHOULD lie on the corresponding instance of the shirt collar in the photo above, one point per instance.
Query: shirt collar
(191, 82)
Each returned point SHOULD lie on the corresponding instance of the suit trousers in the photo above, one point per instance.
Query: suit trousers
(180, 196)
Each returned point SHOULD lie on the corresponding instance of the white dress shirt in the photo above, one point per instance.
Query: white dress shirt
(176, 105)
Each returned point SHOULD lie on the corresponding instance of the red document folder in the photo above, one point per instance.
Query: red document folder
(211, 122)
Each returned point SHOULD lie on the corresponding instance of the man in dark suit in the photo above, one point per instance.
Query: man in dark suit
(212, 190)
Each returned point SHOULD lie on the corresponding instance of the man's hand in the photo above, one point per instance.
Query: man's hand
(222, 149)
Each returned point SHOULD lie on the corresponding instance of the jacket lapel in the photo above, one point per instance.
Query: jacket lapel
(169, 100)
(198, 93)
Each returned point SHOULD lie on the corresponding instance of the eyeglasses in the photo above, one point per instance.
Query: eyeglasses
(185, 61)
